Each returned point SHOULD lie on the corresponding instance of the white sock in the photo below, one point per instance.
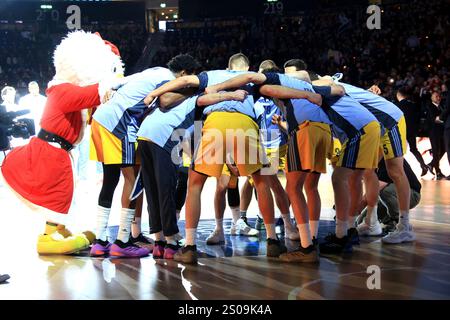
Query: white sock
(219, 224)
(243, 214)
(305, 235)
(178, 214)
(236, 213)
(171, 240)
(404, 218)
(341, 228)
(136, 227)
(191, 235)
(270, 231)
(159, 236)
(126, 218)
(352, 221)
(314, 227)
(102, 222)
(372, 215)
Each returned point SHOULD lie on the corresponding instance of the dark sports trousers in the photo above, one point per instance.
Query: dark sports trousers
(159, 175)
(413, 148)
(437, 146)
(181, 192)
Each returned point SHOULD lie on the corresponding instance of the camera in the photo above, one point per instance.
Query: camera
(10, 126)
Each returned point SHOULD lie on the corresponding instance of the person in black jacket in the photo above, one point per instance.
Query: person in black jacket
(436, 125)
(445, 117)
(412, 113)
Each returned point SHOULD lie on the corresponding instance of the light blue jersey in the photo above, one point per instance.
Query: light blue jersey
(272, 136)
(387, 113)
(246, 107)
(298, 110)
(167, 128)
(345, 113)
(121, 115)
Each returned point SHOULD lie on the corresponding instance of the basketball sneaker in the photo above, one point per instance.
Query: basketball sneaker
(372, 230)
(353, 235)
(100, 248)
(242, 228)
(335, 245)
(216, 237)
(127, 250)
(301, 254)
(170, 250)
(158, 249)
(401, 234)
(143, 242)
(187, 254)
(275, 248)
(291, 232)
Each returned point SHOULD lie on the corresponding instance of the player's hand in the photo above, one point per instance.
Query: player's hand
(149, 99)
(315, 98)
(108, 95)
(239, 95)
(276, 119)
(375, 89)
(438, 120)
(211, 89)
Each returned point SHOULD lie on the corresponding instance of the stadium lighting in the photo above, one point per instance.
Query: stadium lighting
(46, 6)
(162, 5)
(175, 16)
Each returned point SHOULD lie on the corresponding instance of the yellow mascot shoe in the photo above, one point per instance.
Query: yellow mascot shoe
(57, 244)
(62, 230)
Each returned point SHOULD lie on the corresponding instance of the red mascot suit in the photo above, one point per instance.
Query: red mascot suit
(40, 173)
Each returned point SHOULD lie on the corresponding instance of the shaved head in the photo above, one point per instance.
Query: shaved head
(267, 64)
(238, 62)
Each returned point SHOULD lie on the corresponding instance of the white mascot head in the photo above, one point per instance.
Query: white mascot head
(84, 58)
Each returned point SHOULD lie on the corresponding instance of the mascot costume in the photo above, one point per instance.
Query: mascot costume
(40, 173)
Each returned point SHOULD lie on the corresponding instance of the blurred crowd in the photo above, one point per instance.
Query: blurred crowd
(27, 55)
(411, 48)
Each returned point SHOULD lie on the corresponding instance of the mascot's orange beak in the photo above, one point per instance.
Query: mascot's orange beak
(114, 48)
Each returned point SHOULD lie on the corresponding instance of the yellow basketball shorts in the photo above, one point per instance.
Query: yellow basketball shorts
(362, 151)
(309, 147)
(228, 137)
(393, 142)
(107, 148)
(337, 148)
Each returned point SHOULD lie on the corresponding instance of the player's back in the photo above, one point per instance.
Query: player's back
(128, 101)
(387, 113)
(208, 78)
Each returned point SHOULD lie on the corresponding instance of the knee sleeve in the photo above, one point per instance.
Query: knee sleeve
(111, 176)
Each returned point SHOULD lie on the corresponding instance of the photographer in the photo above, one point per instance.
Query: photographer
(14, 129)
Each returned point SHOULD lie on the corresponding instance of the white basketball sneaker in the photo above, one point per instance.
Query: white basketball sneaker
(242, 228)
(401, 234)
(215, 238)
(291, 232)
(373, 230)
